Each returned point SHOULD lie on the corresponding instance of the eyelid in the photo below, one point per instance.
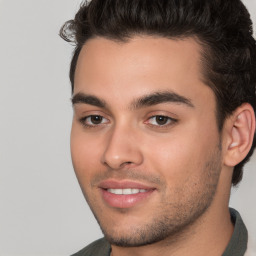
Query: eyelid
(171, 121)
(91, 125)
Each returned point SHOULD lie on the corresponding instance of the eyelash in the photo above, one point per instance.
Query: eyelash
(170, 121)
(84, 119)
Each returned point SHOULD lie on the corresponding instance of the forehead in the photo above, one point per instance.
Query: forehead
(113, 70)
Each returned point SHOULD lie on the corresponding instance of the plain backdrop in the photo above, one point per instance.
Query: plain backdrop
(42, 210)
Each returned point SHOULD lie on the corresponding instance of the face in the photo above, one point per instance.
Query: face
(144, 140)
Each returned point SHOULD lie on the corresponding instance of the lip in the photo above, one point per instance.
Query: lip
(124, 201)
(106, 184)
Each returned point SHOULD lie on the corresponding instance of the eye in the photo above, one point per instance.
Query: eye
(161, 120)
(93, 120)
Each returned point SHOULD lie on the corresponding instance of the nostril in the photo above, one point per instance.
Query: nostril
(126, 163)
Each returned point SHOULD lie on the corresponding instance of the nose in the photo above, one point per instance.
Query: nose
(122, 149)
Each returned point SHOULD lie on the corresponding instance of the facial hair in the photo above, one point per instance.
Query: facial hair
(172, 217)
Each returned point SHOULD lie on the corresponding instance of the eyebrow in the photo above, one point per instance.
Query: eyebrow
(88, 99)
(161, 97)
(144, 101)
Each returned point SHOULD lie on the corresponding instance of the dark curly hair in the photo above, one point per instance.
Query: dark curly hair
(222, 27)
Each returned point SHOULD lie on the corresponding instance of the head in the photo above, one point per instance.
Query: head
(130, 46)
(225, 34)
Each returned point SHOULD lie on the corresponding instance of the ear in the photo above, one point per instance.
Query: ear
(239, 133)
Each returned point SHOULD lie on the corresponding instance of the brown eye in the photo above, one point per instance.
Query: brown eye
(93, 121)
(161, 120)
(96, 119)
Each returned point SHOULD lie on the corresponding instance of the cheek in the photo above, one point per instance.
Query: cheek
(172, 161)
(181, 158)
(85, 152)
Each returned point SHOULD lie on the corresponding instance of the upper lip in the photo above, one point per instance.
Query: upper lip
(115, 184)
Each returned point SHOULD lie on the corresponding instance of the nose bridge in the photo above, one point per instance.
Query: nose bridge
(122, 147)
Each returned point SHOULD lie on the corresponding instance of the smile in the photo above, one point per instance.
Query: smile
(126, 191)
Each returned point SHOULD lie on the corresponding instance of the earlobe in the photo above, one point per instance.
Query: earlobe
(241, 133)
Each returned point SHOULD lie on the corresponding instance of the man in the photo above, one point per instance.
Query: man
(164, 120)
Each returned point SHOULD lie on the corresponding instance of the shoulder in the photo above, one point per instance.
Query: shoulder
(99, 247)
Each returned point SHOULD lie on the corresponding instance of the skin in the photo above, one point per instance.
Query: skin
(184, 161)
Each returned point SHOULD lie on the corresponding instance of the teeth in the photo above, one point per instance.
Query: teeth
(126, 191)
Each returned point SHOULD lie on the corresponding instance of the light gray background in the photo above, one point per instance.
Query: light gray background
(42, 211)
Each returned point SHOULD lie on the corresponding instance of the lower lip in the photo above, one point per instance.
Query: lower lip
(124, 201)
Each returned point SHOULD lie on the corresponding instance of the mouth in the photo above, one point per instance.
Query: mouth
(124, 194)
(126, 191)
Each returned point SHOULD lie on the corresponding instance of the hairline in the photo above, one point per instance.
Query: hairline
(205, 53)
